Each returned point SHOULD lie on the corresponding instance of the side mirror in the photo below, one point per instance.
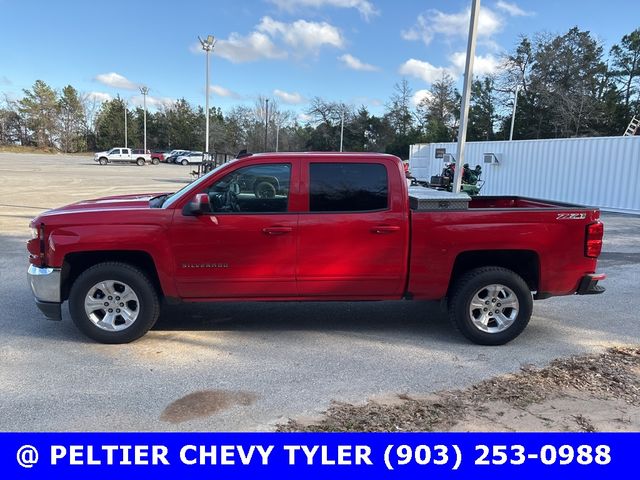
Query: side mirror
(199, 205)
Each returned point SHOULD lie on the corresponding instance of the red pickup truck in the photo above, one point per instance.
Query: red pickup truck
(329, 227)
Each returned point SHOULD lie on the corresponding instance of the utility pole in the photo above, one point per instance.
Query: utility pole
(342, 129)
(466, 93)
(277, 135)
(207, 46)
(124, 102)
(513, 115)
(266, 122)
(144, 91)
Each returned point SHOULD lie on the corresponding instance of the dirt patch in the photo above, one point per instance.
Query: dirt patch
(582, 393)
(204, 403)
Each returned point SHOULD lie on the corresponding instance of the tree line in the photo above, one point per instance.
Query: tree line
(567, 87)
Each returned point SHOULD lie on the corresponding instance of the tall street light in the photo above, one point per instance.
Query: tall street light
(124, 102)
(144, 91)
(266, 123)
(466, 94)
(207, 46)
(513, 115)
(342, 129)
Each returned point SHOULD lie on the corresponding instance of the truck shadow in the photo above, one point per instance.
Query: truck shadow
(414, 318)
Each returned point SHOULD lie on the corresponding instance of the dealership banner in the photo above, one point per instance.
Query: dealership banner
(314, 455)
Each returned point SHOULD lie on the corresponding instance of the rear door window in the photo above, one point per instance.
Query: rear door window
(348, 187)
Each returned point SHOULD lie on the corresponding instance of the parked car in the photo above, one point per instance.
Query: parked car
(350, 230)
(190, 157)
(173, 154)
(157, 156)
(122, 155)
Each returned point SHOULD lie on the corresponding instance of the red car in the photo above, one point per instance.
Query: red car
(337, 227)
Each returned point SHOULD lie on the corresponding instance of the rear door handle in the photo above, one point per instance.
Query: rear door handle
(382, 229)
(277, 230)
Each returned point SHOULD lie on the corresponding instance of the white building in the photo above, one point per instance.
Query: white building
(602, 172)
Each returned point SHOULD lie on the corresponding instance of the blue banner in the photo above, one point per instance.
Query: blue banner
(309, 455)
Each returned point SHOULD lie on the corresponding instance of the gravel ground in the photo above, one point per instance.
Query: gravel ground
(582, 393)
(252, 366)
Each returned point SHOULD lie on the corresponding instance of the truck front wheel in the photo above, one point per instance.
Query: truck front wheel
(491, 305)
(103, 161)
(113, 302)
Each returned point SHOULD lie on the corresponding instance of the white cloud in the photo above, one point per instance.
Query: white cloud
(116, 80)
(447, 25)
(419, 96)
(365, 7)
(304, 118)
(293, 98)
(356, 64)
(152, 102)
(99, 96)
(269, 37)
(303, 35)
(221, 91)
(513, 9)
(423, 70)
(238, 49)
(482, 64)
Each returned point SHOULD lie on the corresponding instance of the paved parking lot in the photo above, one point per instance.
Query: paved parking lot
(248, 366)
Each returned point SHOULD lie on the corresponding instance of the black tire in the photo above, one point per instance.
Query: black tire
(140, 162)
(155, 161)
(264, 189)
(185, 162)
(149, 304)
(103, 161)
(472, 285)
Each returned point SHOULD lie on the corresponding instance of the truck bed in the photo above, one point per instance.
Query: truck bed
(549, 238)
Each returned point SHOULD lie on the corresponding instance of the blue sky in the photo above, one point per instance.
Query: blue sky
(344, 50)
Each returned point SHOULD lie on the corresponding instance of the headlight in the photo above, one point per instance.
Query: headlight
(35, 232)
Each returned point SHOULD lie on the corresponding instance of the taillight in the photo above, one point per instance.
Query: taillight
(593, 240)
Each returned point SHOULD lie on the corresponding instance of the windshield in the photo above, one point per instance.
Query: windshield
(173, 198)
(111, 151)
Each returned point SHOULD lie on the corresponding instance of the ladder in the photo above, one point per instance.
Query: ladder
(633, 127)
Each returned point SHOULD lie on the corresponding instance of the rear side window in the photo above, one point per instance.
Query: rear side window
(348, 187)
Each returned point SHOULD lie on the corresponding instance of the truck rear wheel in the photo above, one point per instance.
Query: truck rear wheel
(113, 302)
(155, 160)
(491, 305)
(140, 162)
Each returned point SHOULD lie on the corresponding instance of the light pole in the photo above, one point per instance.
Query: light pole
(144, 91)
(342, 129)
(266, 122)
(513, 115)
(466, 93)
(207, 46)
(124, 102)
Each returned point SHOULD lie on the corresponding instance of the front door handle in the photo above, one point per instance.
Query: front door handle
(277, 230)
(382, 229)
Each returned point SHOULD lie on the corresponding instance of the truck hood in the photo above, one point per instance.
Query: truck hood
(116, 202)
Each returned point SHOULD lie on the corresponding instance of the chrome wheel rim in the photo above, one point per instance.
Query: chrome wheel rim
(494, 308)
(112, 305)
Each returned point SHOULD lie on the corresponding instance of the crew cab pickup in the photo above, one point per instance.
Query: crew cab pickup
(123, 155)
(327, 227)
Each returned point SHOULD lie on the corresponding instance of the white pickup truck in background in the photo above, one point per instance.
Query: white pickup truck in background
(123, 155)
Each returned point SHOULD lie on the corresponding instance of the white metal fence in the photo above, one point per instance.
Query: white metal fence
(602, 172)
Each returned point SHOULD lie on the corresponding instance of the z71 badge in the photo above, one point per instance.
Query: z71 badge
(571, 216)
